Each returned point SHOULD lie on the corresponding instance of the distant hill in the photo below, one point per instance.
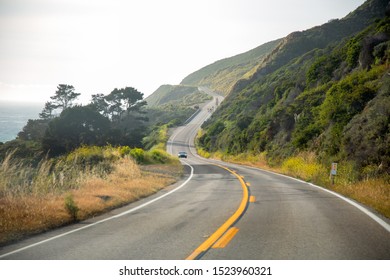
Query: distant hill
(177, 94)
(173, 104)
(325, 90)
(221, 75)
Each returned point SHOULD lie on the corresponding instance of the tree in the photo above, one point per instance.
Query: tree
(34, 130)
(123, 100)
(64, 96)
(114, 100)
(75, 126)
(132, 99)
(99, 104)
(47, 112)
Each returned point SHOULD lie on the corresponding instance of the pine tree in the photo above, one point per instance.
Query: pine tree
(64, 96)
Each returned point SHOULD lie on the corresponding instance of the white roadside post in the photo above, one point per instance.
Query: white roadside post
(333, 172)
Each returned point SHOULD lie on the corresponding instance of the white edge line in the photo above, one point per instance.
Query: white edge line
(104, 220)
(361, 208)
(160, 197)
(113, 217)
(372, 215)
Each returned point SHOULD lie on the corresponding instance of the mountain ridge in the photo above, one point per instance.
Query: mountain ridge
(244, 63)
(171, 93)
(301, 42)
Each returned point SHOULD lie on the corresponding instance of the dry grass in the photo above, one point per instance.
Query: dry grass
(29, 215)
(373, 192)
(24, 214)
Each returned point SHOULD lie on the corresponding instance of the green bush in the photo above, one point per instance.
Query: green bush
(124, 151)
(86, 155)
(159, 156)
(353, 52)
(138, 154)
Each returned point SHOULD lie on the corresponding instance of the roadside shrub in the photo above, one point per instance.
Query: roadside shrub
(86, 155)
(203, 153)
(347, 173)
(305, 167)
(93, 155)
(159, 156)
(124, 151)
(138, 155)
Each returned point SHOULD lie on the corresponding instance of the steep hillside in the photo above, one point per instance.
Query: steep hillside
(223, 74)
(325, 90)
(299, 43)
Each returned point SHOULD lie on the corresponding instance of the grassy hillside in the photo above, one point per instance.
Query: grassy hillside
(316, 99)
(319, 98)
(298, 43)
(176, 94)
(223, 74)
(173, 104)
(234, 73)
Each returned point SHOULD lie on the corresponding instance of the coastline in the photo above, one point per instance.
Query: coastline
(14, 116)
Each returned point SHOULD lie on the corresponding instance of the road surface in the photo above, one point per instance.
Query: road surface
(220, 211)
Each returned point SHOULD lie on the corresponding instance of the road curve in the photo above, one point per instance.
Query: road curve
(290, 219)
(219, 211)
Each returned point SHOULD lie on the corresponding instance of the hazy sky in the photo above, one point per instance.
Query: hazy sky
(99, 45)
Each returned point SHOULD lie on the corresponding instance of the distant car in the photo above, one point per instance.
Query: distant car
(182, 155)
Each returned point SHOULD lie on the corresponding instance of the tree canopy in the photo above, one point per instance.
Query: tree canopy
(75, 126)
(115, 119)
(64, 96)
(122, 100)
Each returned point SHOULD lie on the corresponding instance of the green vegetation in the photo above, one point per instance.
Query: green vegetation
(323, 92)
(116, 119)
(221, 75)
(231, 75)
(173, 105)
(176, 95)
(120, 118)
(157, 138)
(295, 105)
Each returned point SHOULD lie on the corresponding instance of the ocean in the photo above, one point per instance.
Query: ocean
(14, 116)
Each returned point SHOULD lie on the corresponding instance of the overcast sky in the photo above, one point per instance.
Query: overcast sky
(99, 45)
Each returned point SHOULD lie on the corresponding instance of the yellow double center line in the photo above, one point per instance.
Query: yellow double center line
(206, 245)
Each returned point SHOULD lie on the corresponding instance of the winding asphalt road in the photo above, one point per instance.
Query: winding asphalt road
(220, 211)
